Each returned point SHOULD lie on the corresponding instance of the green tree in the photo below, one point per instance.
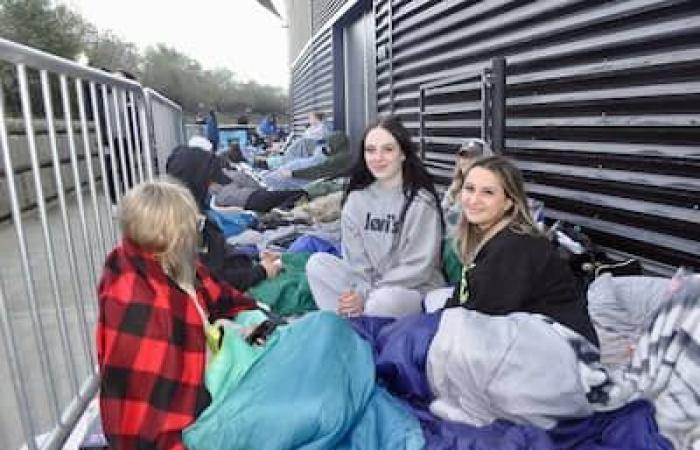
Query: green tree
(106, 50)
(36, 23)
(58, 30)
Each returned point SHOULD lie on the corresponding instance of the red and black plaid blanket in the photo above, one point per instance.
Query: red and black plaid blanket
(151, 349)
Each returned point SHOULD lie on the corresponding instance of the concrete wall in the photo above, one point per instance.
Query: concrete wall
(22, 168)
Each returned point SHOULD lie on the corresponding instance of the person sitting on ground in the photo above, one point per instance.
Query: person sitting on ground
(309, 150)
(197, 170)
(466, 154)
(150, 344)
(508, 264)
(234, 154)
(391, 232)
(336, 164)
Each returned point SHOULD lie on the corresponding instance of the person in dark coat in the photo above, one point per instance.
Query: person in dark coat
(204, 173)
(197, 169)
(212, 126)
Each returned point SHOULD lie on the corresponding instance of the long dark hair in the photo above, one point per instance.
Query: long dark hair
(414, 174)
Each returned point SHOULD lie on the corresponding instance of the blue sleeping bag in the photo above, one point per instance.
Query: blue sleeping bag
(312, 387)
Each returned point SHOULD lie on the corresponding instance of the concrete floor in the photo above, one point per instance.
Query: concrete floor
(76, 290)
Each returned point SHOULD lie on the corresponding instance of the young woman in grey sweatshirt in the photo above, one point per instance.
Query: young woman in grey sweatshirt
(391, 232)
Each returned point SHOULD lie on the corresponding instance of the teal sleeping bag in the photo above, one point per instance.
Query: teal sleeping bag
(312, 387)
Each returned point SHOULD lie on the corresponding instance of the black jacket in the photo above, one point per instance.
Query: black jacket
(197, 169)
(522, 273)
(239, 270)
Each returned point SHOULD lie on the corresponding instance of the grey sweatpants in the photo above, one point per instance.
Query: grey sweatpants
(329, 277)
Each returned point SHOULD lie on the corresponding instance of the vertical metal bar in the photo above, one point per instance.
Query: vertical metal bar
(60, 192)
(180, 127)
(485, 104)
(129, 156)
(50, 258)
(37, 326)
(136, 138)
(390, 14)
(120, 144)
(103, 168)
(421, 129)
(114, 162)
(87, 338)
(499, 104)
(87, 152)
(56, 438)
(67, 116)
(146, 138)
(8, 332)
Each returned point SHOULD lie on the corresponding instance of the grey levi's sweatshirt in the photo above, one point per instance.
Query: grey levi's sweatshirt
(369, 224)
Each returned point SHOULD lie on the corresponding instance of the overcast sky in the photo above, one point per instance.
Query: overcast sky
(240, 35)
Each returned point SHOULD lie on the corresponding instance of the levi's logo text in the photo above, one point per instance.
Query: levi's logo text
(384, 223)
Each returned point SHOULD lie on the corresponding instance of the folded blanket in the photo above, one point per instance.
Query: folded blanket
(665, 366)
(515, 367)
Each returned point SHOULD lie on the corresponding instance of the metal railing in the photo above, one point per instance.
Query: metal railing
(72, 140)
(457, 107)
(170, 131)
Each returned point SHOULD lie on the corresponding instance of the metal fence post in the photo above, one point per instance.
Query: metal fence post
(498, 103)
(421, 130)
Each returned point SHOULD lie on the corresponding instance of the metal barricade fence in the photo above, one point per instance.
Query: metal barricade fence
(72, 140)
(170, 131)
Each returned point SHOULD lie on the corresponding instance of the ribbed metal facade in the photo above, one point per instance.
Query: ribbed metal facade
(312, 81)
(323, 11)
(603, 106)
(299, 20)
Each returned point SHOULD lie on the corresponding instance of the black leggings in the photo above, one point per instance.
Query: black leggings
(263, 200)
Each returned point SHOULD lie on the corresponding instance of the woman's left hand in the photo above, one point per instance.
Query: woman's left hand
(350, 304)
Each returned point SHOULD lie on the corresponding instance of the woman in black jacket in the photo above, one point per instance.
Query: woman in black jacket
(509, 266)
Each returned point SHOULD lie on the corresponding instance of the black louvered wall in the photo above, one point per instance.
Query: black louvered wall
(312, 81)
(603, 106)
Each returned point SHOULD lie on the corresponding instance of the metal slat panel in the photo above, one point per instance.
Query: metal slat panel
(611, 175)
(651, 120)
(688, 215)
(602, 106)
(642, 150)
(496, 45)
(619, 93)
(437, 27)
(654, 61)
(312, 80)
(549, 29)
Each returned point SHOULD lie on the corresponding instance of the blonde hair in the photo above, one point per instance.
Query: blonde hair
(160, 217)
(468, 237)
